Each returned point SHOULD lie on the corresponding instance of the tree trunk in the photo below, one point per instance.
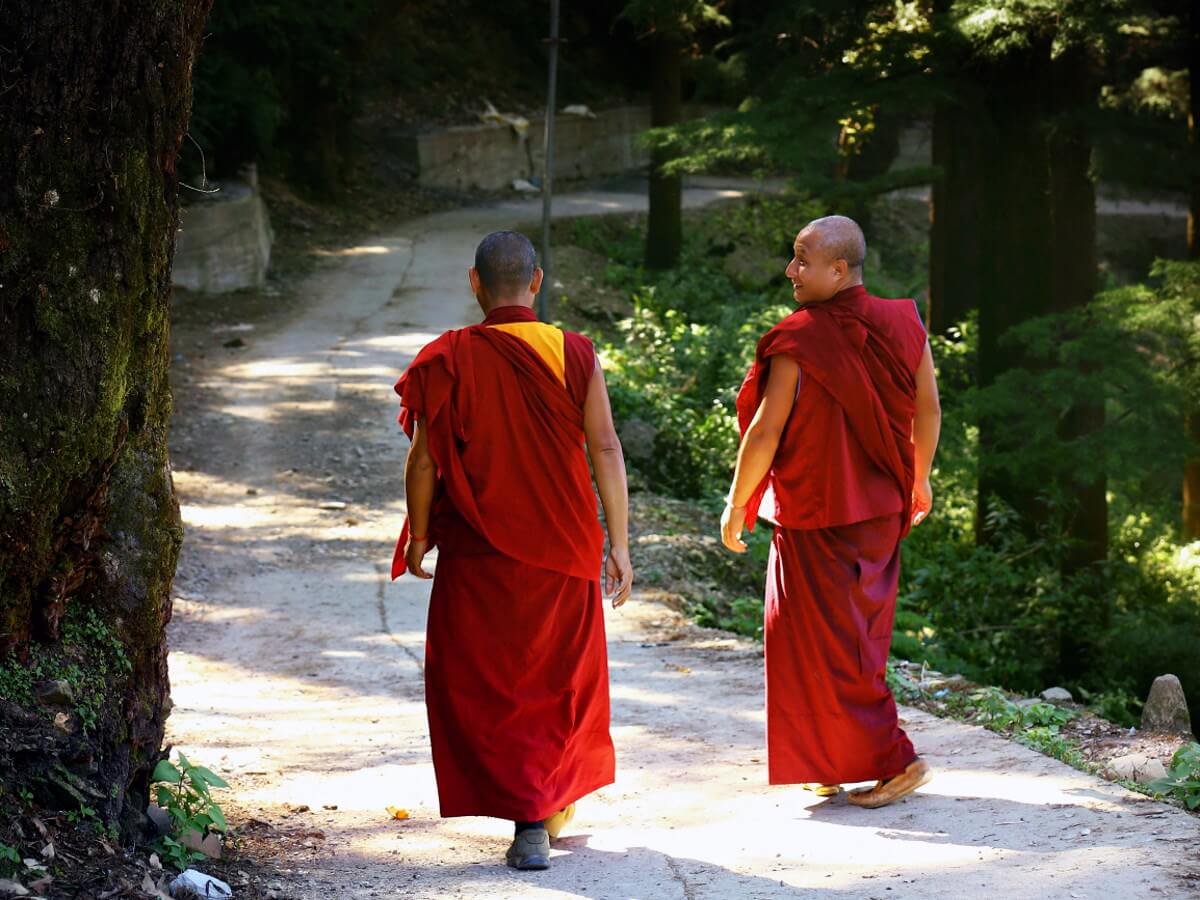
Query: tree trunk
(1075, 271)
(873, 159)
(1073, 198)
(957, 196)
(1016, 249)
(953, 234)
(1191, 472)
(664, 228)
(94, 106)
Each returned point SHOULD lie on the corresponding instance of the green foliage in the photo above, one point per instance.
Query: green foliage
(184, 791)
(1036, 725)
(90, 658)
(86, 815)
(10, 860)
(1116, 706)
(677, 362)
(995, 29)
(1001, 610)
(999, 713)
(1135, 350)
(997, 613)
(675, 19)
(815, 68)
(1183, 777)
(280, 80)
(745, 617)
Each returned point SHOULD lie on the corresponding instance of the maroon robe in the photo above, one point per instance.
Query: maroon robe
(516, 670)
(842, 483)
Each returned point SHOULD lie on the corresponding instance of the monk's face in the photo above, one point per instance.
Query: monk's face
(815, 277)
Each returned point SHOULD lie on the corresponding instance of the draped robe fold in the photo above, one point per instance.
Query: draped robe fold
(840, 502)
(516, 671)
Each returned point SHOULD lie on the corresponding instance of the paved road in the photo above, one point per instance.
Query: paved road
(296, 664)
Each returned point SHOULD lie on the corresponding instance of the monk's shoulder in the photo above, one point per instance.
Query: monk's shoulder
(438, 347)
(788, 332)
(901, 307)
(574, 342)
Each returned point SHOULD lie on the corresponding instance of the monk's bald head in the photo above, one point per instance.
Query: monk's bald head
(827, 258)
(837, 237)
(505, 262)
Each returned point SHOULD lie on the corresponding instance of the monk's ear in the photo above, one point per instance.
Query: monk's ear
(476, 283)
(841, 267)
(535, 284)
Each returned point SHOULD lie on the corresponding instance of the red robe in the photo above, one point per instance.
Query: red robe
(842, 482)
(516, 670)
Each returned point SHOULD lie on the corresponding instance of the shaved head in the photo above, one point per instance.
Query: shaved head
(505, 261)
(837, 237)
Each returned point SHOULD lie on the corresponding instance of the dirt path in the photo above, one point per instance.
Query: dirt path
(296, 665)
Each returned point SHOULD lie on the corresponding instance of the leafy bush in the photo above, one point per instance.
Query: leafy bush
(184, 792)
(1183, 777)
(677, 362)
(998, 613)
(278, 80)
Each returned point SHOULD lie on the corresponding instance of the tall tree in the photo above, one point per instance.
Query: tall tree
(668, 27)
(957, 145)
(93, 113)
(1014, 229)
(1191, 476)
(1074, 282)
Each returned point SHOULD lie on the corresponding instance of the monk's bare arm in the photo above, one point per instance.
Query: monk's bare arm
(608, 462)
(927, 428)
(757, 451)
(419, 480)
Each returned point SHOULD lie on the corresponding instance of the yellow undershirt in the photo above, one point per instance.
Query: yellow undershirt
(546, 340)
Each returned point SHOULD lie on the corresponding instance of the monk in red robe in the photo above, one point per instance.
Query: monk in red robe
(503, 418)
(840, 420)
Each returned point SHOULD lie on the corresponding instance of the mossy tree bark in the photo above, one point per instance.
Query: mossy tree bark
(95, 97)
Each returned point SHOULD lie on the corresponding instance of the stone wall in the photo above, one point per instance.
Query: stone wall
(224, 241)
(491, 156)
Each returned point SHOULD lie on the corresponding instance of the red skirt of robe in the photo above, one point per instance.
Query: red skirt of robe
(830, 607)
(516, 687)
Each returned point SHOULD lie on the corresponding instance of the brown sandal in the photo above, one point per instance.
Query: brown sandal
(917, 773)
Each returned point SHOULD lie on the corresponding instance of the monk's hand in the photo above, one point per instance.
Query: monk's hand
(922, 500)
(414, 554)
(733, 520)
(618, 575)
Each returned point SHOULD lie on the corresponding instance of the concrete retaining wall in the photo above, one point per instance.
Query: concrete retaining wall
(490, 156)
(224, 241)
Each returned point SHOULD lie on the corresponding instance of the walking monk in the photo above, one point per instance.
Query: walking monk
(516, 667)
(840, 420)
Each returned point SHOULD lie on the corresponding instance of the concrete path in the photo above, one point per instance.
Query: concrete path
(296, 665)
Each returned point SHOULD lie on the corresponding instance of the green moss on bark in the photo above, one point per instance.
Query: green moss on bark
(88, 215)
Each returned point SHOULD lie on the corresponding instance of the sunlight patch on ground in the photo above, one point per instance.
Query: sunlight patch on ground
(225, 516)
(186, 608)
(365, 250)
(276, 368)
(396, 341)
(369, 788)
(1023, 788)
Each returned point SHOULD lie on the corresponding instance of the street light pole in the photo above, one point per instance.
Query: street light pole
(548, 164)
